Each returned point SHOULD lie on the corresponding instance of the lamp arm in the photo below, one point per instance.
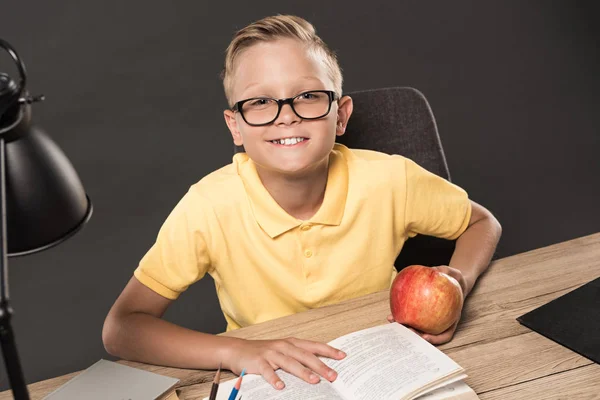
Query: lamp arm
(7, 338)
(20, 66)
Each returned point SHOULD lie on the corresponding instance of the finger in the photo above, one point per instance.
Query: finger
(307, 357)
(433, 339)
(438, 339)
(443, 337)
(296, 366)
(318, 348)
(390, 318)
(268, 373)
(454, 273)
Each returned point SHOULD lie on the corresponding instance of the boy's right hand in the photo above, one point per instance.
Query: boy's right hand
(297, 356)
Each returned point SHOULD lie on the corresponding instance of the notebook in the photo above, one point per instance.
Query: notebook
(572, 320)
(111, 380)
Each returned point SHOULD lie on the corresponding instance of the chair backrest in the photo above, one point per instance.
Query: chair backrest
(398, 120)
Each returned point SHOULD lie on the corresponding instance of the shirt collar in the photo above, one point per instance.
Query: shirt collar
(273, 219)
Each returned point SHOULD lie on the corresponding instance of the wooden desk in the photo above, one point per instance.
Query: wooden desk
(504, 360)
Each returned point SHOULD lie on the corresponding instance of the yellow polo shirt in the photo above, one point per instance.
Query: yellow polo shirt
(267, 264)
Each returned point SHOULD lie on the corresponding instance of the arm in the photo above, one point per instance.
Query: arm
(475, 247)
(472, 255)
(134, 330)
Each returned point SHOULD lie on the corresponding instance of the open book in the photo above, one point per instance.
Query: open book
(387, 362)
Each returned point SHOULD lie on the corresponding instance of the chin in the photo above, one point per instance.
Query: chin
(294, 168)
(295, 164)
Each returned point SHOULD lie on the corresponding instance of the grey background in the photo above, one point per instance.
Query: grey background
(135, 101)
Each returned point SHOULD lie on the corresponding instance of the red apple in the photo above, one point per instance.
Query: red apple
(425, 299)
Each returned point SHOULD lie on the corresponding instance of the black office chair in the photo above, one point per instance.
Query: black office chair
(399, 120)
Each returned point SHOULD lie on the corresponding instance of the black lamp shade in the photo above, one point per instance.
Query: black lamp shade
(42, 200)
(45, 199)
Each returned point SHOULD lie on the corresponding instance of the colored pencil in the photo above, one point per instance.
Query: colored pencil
(237, 386)
(215, 385)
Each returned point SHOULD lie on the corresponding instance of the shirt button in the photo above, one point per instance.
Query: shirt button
(305, 227)
(308, 253)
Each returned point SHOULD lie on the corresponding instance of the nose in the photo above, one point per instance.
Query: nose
(287, 116)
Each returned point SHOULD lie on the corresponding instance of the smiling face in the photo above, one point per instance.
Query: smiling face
(282, 69)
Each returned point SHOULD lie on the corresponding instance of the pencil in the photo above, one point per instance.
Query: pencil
(215, 385)
(236, 388)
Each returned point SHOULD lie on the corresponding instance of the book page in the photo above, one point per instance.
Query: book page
(454, 391)
(254, 387)
(388, 362)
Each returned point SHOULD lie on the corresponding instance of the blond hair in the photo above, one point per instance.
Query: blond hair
(273, 28)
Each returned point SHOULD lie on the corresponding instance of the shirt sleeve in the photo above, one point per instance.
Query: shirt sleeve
(434, 206)
(180, 256)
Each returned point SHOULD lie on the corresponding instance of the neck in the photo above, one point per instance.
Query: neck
(301, 195)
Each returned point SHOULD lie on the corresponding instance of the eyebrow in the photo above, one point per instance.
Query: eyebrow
(311, 78)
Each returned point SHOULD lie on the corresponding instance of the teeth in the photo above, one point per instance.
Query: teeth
(288, 141)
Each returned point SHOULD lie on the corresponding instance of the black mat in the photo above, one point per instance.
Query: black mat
(572, 320)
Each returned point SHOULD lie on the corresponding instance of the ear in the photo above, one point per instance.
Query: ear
(345, 107)
(233, 127)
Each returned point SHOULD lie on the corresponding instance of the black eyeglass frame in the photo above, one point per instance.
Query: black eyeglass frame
(237, 107)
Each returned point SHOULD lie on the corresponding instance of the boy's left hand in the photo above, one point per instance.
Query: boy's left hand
(447, 335)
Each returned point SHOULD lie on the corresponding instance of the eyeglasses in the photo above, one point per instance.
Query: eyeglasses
(259, 111)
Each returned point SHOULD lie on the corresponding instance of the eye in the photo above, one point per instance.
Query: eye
(259, 102)
(308, 96)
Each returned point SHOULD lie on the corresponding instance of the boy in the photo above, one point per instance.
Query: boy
(294, 223)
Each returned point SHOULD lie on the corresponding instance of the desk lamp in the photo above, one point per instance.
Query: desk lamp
(42, 200)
